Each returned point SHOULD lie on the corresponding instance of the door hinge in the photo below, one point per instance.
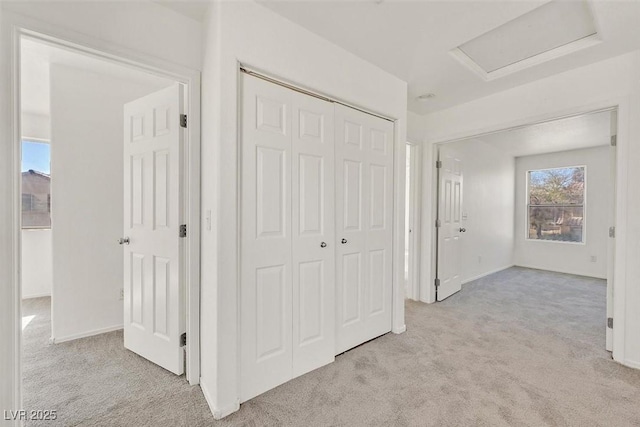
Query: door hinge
(610, 322)
(614, 140)
(612, 231)
(438, 164)
(183, 230)
(438, 223)
(437, 283)
(183, 120)
(183, 339)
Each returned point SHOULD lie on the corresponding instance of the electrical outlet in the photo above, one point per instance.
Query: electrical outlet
(121, 294)
(594, 258)
(479, 259)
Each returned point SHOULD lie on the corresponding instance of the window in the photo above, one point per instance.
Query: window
(556, 204)
(36, 185)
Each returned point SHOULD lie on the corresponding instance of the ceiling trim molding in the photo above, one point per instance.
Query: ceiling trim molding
(543, 57)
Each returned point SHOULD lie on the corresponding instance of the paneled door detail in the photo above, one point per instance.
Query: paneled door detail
(450, 227)
(287, 235)
(313, 233)
(266, 266)
(154, 317)
(364, 216)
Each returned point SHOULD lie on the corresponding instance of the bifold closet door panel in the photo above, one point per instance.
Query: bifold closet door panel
(364, 220)
(313, 230)
(266, 257)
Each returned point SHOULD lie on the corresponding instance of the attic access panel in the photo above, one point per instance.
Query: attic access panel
(549, 31)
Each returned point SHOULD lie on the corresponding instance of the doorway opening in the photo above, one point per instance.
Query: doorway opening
(539, 197)
(412, 221)
(106, 158)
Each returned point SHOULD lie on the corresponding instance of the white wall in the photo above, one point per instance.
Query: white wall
(141, 26)
(568, 257)
(415, 131)
(124, 28)
(488, 202)
(87, 198)
(252, 34)
(607, 83)
(37, 263)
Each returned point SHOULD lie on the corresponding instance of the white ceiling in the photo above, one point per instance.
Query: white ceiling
(586, 131)
(194, 9)
(36, 58)
(412, 40)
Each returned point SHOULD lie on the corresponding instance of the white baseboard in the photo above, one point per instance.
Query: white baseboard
(218, 414)
(46, 294)
(399, 330)
(556, 270)
(480, 276)
(58, 340)
(630, 364)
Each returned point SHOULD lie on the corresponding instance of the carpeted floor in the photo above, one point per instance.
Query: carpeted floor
(520, 347)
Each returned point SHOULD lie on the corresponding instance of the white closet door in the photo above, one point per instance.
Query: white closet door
(288, 236)
(313, 234)
(266, 267)
(364, 216)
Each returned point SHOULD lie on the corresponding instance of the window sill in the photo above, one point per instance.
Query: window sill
(583, 243)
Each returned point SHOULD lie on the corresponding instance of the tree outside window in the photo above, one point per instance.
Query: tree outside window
(556, 204)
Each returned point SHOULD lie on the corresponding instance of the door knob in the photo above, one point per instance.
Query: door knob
(123, 240)
(462, 230)
(323, 245)
(344, 241)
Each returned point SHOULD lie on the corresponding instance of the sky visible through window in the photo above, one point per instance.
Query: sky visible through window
(36, 156)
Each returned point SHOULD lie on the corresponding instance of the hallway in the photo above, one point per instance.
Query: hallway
(520, 347)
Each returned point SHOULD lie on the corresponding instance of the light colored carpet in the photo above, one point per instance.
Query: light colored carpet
(520, 347)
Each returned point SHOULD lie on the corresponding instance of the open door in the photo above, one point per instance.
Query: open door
(449, 225)
(154, 317)
(611, 245)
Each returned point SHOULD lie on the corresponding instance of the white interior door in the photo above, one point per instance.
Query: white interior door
(313, 233)
(154, 315)
(449, 278)
(364, 216)
(287, 236)
(266, 263)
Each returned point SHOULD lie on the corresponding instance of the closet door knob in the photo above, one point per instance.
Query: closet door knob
(323, 245)
(344, 241)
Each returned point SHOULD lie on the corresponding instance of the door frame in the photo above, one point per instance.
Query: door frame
(415, 206)
(616, 272)
(190, 198)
